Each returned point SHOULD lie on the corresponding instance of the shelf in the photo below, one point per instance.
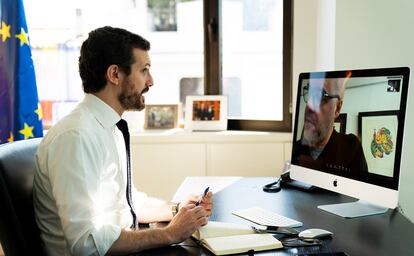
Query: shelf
(181, 135)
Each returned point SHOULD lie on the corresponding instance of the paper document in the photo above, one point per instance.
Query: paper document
(196, 185)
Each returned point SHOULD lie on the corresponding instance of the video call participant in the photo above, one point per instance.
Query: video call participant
(84, 199)
(321, 147)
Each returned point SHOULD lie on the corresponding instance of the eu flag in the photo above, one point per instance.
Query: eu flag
(20, 111)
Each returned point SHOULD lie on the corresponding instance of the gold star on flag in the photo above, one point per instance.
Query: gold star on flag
(4, 31)
(11, 138)
(23, 36)
(39, 111)
(27, 131)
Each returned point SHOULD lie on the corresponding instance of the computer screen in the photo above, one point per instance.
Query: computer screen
(348, 135)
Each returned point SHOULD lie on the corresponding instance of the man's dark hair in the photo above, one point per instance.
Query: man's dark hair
(104, 47)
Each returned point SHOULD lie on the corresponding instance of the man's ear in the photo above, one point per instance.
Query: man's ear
(338, 108)
(112, 74)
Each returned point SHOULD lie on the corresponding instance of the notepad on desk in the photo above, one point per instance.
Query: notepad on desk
(222, 238)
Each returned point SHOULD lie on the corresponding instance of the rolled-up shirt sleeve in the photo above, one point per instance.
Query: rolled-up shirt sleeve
(139, 199)
(77, 170)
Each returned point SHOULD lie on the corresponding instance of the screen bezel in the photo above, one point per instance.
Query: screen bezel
(377, 180)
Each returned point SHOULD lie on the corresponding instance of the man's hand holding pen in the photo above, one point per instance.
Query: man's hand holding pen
(204, 200)
(200, 199)
(192, 214)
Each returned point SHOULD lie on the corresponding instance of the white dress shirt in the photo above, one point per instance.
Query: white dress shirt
(80, 182)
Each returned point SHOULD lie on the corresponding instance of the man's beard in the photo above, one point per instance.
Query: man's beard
(315, 134)
(311, 138)
(130, 99)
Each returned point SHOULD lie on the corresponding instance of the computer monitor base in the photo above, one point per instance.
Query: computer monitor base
(353, 210)
(298, 184)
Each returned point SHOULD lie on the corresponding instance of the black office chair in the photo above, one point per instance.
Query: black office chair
(19, 234)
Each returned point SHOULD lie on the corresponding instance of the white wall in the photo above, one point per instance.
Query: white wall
(368, 33)
(313, 38)
(378, 33)
(304, 41)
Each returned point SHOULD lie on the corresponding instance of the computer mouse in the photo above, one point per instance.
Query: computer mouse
(315, 233)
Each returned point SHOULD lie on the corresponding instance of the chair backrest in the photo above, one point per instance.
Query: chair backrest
(19, 234)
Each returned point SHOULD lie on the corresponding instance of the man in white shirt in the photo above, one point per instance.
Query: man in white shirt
(83, 176)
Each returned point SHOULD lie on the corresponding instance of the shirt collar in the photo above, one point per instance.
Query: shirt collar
(105, 114)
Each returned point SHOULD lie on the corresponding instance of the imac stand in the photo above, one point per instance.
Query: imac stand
(286, 180)
(356, 209)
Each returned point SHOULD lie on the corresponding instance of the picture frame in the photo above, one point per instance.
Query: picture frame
(208, 112)
(377, 131)
(394, 85)
(340, 123)
(161, 116)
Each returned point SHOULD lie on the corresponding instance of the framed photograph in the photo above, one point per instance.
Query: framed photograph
(393, 85)
(340, 123)
(161, 116)
(378, 133)
(206, 113)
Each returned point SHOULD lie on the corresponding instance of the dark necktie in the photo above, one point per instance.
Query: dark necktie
(123, 127)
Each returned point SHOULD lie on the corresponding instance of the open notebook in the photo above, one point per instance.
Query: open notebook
(222, 238)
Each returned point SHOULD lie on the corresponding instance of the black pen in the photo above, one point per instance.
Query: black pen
(202, 196)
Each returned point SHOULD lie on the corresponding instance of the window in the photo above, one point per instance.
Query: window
(253, 65)
(163, 14)
(250, 67)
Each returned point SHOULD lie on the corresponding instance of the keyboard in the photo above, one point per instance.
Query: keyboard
(264, 217)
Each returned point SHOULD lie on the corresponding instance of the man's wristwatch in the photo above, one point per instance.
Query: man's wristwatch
(174, 208)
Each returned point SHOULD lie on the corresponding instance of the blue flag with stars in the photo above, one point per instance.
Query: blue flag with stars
(20, 111)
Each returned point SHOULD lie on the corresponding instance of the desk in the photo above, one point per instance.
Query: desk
(386, 234)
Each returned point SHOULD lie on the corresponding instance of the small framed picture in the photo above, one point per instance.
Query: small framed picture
(393, 85)
(340, 123)
(161, 116)
(207, 112)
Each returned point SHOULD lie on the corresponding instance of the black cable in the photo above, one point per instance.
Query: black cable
(272, 187)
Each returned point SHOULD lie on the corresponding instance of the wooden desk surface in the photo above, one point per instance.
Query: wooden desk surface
(385, 234)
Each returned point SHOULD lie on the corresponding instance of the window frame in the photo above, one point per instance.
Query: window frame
(213, 68)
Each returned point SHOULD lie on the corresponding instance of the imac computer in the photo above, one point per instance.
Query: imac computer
(348, 136)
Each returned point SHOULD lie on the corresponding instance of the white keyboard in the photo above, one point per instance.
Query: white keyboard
(264, 217)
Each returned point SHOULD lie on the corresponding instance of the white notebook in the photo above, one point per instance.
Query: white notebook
(222, 238)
